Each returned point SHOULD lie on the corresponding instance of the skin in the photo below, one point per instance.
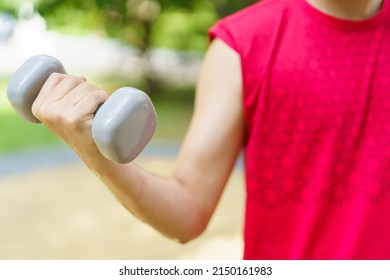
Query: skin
(348, 9)
(179, 206)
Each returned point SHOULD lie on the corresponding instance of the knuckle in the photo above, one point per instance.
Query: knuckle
(56, 77)
(62, 120)
(56, 116)
(101, 95)
(41, 112)
(78, 79)
(59, 78)
(97, 96)
(46, 112)
(35, 109)
(74, 81)
(70, 120)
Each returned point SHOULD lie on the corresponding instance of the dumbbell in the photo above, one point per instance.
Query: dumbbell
(122, 126)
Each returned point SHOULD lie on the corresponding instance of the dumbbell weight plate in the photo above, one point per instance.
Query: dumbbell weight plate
(25, 85)
(124, 124)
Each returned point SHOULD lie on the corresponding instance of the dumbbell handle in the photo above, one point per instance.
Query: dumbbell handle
(122, 126)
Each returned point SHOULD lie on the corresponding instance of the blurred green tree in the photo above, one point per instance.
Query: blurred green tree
(10, 6)
(173, 24)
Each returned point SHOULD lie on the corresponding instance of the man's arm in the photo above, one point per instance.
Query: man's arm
(179, 206)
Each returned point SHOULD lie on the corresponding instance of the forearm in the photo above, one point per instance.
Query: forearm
(167, 204)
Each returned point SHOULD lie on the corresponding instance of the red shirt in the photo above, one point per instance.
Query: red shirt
(316, 93)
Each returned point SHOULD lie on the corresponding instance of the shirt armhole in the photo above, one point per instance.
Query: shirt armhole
(220, 32)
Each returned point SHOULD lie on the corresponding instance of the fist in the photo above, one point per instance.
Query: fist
(66, 105)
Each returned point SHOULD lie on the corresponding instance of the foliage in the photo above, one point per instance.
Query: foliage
(174, 24)
(12, 6)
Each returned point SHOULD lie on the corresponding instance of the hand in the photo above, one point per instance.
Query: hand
(66, 105)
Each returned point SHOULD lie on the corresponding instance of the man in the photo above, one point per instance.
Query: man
(303, 87)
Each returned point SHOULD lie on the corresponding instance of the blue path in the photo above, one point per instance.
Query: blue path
(39, 158)
(34, 159)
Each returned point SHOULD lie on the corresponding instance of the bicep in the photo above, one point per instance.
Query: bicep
(214, 138)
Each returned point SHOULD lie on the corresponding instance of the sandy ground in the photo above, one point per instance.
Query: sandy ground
(65, 212)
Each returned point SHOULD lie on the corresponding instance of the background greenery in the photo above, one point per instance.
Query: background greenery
(145, 24)
(178, 24)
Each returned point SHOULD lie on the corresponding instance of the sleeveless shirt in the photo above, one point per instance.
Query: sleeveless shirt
(316, 95)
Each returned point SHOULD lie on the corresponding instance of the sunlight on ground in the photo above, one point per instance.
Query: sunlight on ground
(65, 212)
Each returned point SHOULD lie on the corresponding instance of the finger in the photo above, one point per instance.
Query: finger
(53, 80)
(77, 93)
(90, 102)
(65, 87)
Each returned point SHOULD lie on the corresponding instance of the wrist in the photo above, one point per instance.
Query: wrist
(93, 158)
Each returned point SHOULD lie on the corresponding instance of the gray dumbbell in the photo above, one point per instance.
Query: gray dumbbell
(122, 125)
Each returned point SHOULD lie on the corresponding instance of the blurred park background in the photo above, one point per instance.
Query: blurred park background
(50, 205)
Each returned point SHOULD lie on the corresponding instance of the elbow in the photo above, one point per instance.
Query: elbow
(192, 217)
(194, 229)
(189, 236)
